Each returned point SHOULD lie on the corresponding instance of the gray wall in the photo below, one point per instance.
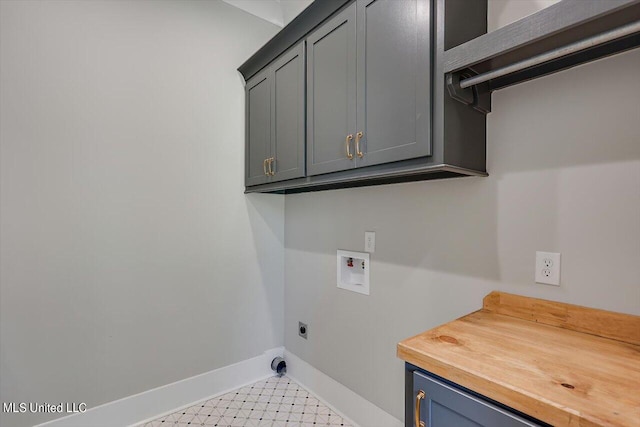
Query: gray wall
(130, 257)
(564, 164)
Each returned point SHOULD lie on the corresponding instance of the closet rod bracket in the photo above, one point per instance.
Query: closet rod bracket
(477, 97)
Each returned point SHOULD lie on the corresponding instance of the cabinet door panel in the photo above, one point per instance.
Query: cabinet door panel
(393, 80)
(287, 138)
(446, 406)
(257, 128)
(331, 92)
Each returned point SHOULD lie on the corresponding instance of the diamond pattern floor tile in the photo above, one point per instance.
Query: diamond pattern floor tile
(274, 402)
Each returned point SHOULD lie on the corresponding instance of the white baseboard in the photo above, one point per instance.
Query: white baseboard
(169, 398)
(164, 400)
(342, 400)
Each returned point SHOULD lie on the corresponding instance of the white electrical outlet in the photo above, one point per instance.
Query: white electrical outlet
(370, 241)
(548, 268)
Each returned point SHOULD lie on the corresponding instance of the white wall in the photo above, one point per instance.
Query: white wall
(564, 164)
(130, 257)
(278, 12)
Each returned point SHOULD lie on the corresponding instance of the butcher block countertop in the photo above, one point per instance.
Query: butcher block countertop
(563, 364)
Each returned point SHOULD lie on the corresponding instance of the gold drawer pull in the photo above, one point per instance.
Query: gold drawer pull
(419, 397)
(264, 166)
(271, 160)
(348, 144)
(358, 152)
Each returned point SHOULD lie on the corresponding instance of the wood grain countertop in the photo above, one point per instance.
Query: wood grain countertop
(563, 364)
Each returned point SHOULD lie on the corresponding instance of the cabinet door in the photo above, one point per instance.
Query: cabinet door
(394, 80)
(287, 110)
(446, 406)
(331, 93)
(257, 128)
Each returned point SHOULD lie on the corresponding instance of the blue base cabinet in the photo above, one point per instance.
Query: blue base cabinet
(434, 402)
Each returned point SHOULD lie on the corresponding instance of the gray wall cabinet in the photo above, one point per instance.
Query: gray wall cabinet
(331, 102)
(368, 77)
(393, 80)
(377, 107)
(442, 404)
(257, 128)
(275, 139)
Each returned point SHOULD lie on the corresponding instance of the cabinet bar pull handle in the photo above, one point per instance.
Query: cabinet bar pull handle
(271, 160)
(264, 166)
(419, 397)
(358, 152)
(348, 144)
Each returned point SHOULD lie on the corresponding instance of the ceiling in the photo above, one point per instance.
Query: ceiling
(278, 12)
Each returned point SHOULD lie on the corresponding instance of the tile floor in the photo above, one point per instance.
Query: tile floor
(274, 402)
